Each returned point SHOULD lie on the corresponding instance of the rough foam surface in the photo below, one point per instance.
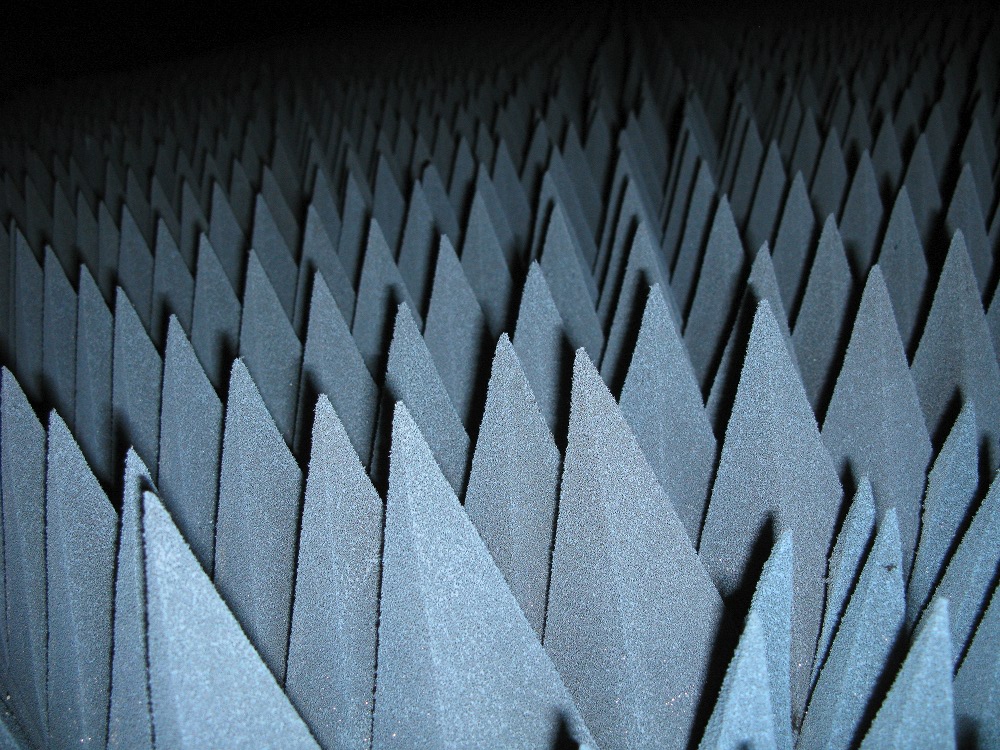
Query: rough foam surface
(632, 613)
(331, 652)
(513, 484)
(797, 488)
(480, 675)
(208, 686)
(257, 521)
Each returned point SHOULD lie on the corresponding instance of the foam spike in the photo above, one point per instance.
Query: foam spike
(956, 352)
(190, 445)
(697, 224)
(94, 344)
(874, 426)
(861, 219)
(256, 521)
(743, 715)
(411, 377)
(952, 486)
(976, 693)
(796, 234)
(821, 326)
(332, 365)
(490, 677)
(904, 266)
(661, 402)
(853, 540)
(511, 498)
(319, 255)
(215, 320)
(917, 712)
(485, 267)
(208, 686)
(456, 331)
(80, 530)
(712, 309)
(22, 487)
(420, 236)
(965, 214)
(129, 721)
(566, 279)
(634, 663)
(798, 488)
(173, 286)
(331, 652)
(59, 337)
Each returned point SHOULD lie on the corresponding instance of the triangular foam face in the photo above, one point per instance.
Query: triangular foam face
(511, 498)
(917, 712)
(622, 554)
(209, 687)
(743, 714)
(874, 426)
(976, 696)
(331, 653)
(661, 402)
(480, 675)
(773, 466)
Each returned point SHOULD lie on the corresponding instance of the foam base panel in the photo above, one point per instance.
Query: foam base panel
(617, 381)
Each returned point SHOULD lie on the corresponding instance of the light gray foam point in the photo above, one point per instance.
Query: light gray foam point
(821, 326)
(772, 605)
(774, 468)
(767, 200)
(190, 445)
(215, 321)
(22, 485)
(743, 714)
(542, 345)
(80, 531)
(661, 402)
(380, 290)
(129, 720)
(796, 234)
(965, 213)
(269, 348)
(58, 335)
(331, 653)
(902, 260)
(485, 267)
(918, 711)
(456, 331)
(977, 684)
(257, 521)
(351, 241)
(972, 571)
(388, 205)
(332, 365)
(952, 485)
(137, 372)
(513, 483)
(861, 219)
(956, 352)
(853, 541)
(135, 268)
(458, 664)
(642, 271)
(762, 284)
(209, 687)
(627, 586)
(683, 279)
(94, 343)
(416, 252)
(564, 273)
(226, 237)
(717, 293)
(874, 424)
(318, 255)
(173, 286)
(921, 183)
(861, 648)
(411, 377)
(271, 249)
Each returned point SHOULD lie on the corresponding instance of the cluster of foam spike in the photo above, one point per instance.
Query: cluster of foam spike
(632, 384)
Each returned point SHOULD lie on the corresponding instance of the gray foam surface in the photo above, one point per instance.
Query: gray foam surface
(977, 683)
(209, 688)
(257, 521)
(632, 613)
(902, 260)
(479, 675)
(331, 652)
(513, 484)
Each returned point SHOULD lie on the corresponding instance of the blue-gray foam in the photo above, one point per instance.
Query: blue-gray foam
(257, 521)
(208, 686)
(458, 664)
(513, 484)
(632, 613)
(331, 653)
(977, 684)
